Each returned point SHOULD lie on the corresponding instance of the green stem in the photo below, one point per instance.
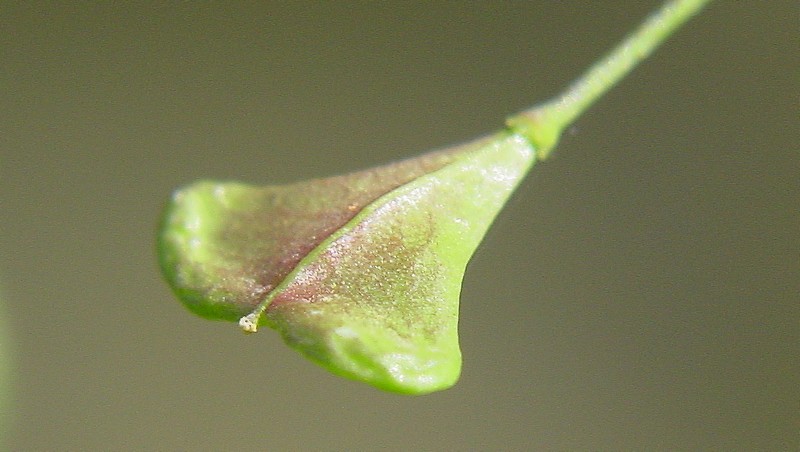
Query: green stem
(543, 124)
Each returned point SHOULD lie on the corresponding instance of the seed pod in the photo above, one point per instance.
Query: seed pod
(362, 272)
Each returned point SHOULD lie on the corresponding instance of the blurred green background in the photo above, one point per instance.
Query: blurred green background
(640, 291)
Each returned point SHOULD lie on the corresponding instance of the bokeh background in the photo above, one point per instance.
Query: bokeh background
(639, 292)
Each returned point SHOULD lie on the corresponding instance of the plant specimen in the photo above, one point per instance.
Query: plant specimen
(362, 272)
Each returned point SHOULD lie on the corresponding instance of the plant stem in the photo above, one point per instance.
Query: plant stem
(543, 124)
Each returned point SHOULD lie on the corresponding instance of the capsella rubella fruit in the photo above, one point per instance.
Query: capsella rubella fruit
(362, 272)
